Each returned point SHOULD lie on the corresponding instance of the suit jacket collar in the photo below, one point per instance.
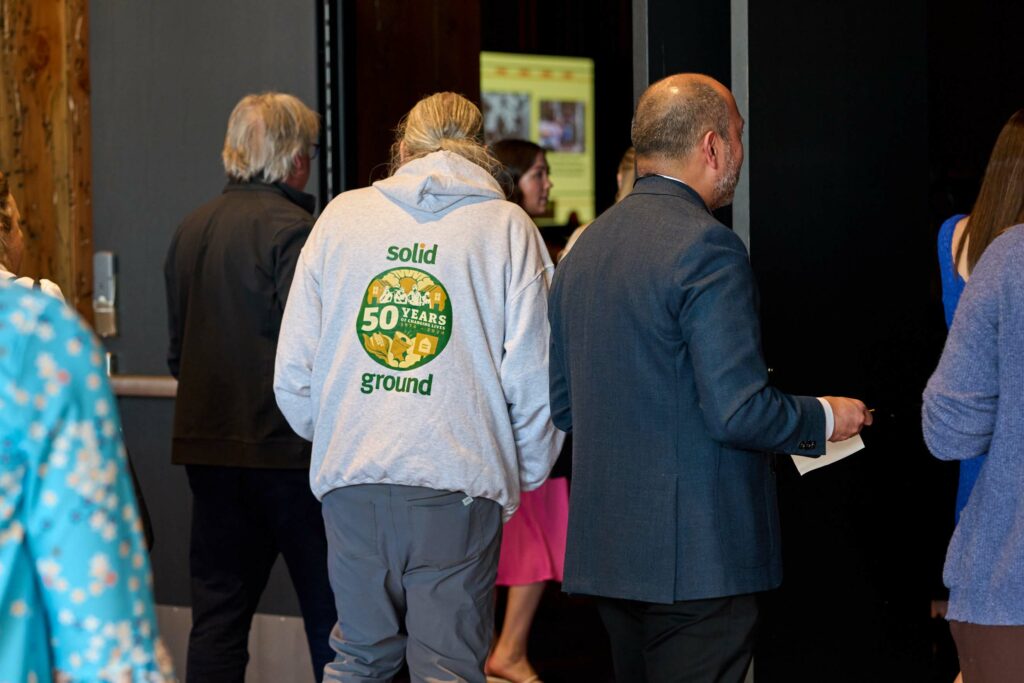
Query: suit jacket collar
(656, 184)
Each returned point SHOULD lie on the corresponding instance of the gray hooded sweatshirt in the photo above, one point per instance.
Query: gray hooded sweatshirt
(414, 345)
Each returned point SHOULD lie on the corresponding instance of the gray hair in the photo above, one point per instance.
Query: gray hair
(443, 121)
(265, 132)
(668, 125)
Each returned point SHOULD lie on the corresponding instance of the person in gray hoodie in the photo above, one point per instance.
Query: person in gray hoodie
(414, 354)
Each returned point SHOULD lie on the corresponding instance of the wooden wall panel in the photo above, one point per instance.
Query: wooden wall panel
(402, 51)
(45, 137)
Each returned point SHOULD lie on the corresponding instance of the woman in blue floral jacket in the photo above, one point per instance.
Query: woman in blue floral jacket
(76, 600)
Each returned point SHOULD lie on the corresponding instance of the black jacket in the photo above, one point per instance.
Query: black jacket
(228, 271)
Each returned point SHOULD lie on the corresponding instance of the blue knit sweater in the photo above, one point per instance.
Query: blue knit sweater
(975, 403)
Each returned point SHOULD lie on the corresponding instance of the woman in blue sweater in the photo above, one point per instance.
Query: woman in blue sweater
(963, 239)
(973, 404)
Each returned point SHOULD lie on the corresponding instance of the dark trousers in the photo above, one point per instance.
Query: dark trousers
(690, 641)
(242, 518)
(989, 654)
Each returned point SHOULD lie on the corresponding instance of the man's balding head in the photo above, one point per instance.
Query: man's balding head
(687, 127)
(674, 114)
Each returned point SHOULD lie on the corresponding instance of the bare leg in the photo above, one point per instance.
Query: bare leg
(508, 659)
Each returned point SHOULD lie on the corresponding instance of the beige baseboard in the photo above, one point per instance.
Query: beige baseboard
(277, 646)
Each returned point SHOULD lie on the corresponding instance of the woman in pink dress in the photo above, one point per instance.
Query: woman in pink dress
(533, 541)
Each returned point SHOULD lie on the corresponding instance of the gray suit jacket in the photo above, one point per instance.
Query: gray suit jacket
(656, 369)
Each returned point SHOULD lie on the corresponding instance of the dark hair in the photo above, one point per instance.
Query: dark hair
(1000, 203)
(5, 203)
(516, 157)
(6, 215)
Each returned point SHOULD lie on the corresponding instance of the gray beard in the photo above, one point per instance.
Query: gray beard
(725, 187)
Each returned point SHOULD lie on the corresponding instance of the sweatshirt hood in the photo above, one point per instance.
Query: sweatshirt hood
(438, 181)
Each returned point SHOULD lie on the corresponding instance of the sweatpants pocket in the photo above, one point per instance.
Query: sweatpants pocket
(442, 529)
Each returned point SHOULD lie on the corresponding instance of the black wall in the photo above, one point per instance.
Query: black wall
(843, 251)
(869, 123)
(693, 36)
(975, 82)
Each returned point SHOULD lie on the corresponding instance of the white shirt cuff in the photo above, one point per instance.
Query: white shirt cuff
(830, 419)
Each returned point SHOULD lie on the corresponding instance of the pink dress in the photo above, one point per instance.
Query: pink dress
(533, 541)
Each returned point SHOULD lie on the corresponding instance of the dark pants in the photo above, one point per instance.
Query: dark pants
(242, 518)
(989, 654)
(690, 641)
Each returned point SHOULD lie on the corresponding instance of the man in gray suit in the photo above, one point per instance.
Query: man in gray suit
(656, 369)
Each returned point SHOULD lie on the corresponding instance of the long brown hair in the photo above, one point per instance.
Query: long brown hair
(1000, 203)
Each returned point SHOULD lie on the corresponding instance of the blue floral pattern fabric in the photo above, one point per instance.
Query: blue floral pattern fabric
(76, 598)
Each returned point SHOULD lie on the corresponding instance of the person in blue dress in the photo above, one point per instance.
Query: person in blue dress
(76, 601)
(963, 239)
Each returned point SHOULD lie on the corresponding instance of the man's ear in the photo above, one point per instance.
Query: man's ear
(709, 149)
(298, 176)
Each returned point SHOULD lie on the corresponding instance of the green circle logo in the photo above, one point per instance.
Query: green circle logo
(406, 318)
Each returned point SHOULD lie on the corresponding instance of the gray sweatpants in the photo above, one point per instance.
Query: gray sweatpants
(413, 574)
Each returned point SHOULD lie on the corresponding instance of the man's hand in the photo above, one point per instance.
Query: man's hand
(850, 416)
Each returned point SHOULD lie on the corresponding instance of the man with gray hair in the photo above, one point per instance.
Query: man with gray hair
(228, 271)
(656, 369)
